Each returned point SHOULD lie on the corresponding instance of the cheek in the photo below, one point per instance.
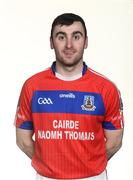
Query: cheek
(80, 48)
(59, 46)
(79, 45)
(58, 50)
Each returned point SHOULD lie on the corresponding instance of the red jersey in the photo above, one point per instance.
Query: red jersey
(68, 118)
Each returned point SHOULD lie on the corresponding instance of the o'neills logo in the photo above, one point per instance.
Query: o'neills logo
(69, 95)
(88, 104)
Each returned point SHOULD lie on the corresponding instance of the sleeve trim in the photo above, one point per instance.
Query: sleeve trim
(26, 125)
(108, 125)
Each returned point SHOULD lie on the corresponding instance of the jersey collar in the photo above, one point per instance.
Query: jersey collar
(85, 67)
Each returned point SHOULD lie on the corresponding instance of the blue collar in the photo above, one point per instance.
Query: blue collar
(85, 67)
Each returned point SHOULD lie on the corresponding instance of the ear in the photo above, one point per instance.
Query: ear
(86, 43)
(51, 43)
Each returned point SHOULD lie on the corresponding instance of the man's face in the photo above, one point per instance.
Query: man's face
(69, 43)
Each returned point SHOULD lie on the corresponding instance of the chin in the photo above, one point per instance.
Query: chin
(70, 63)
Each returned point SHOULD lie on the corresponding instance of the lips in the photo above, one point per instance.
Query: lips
(69, 52)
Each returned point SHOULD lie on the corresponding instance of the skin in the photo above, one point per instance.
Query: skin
(69, 43)
(25, 142)
(113, 141)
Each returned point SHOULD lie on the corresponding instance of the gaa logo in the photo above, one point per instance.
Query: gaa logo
(42, 100)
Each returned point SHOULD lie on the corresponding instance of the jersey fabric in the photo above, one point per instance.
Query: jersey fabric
(68, 118)
(102, 176)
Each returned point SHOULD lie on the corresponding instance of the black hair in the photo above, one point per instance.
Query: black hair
(67, 19)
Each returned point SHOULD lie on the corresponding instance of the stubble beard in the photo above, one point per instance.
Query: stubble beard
(69, 63)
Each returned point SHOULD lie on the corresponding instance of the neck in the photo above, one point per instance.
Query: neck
(68, 71)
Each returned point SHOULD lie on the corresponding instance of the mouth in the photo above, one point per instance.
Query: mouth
(69, 52)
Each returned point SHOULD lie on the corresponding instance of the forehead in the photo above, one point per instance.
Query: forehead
(68, 29)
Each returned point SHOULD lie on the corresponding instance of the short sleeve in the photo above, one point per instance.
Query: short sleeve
(113, 110)
(23, 117)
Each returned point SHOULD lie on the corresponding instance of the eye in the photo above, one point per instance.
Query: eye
(77, 36)
(61, 37)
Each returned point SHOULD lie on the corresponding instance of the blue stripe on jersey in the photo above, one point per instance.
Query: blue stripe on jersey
(26, 125)
(67, 102)
(108, 125)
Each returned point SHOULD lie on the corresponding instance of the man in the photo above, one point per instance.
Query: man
(74, 112)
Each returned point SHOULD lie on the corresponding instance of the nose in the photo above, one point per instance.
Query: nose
(69, 43)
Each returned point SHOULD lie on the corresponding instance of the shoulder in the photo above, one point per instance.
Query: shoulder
(101, 81)
(37, 78)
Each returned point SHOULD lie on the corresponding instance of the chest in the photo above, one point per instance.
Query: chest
(67, 101)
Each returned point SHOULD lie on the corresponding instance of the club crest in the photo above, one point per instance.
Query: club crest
(88, 104)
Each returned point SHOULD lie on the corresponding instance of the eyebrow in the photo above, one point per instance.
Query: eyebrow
(78, 32)
(60, 33)
(63, 33)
